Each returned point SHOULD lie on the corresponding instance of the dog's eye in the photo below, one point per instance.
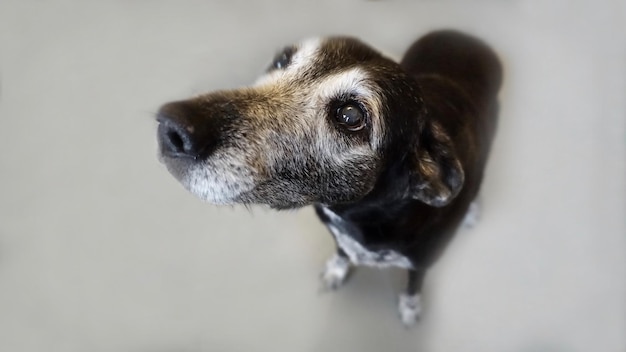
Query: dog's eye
(351, 117)
(283, 59)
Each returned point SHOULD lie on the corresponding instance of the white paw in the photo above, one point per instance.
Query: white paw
(335, 271)
(472, 216)
(410, 308)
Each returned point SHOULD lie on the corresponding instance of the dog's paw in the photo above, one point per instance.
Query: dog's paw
(335, 272)
(472, 216)
(409, 308)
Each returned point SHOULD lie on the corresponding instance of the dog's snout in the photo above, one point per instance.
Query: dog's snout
(181, 134)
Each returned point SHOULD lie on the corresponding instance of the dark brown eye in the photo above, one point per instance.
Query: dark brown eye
(283, 59)
(351, 117)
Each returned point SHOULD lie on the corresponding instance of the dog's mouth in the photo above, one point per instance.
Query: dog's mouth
(219, 176)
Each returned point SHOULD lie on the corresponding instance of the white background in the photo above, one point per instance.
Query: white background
(101, 249)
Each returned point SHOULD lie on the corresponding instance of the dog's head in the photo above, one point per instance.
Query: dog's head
(317, 127)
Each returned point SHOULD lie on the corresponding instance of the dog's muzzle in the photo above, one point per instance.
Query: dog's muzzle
(190, 137)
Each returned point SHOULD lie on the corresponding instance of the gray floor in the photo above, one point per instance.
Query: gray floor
(101, 250)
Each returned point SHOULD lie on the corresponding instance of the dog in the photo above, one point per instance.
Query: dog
(391, 155)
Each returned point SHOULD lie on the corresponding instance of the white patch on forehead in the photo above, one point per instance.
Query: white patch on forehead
(307, 50)
(304, 55)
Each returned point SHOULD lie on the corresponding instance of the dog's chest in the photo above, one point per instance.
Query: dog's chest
(345, 235)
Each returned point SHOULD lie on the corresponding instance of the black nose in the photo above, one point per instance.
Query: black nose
(183, 132)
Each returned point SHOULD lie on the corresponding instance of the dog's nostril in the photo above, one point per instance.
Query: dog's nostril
(175, 141)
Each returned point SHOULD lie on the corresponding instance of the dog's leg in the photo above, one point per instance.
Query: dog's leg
(336, 270)
(409, 304)
(473, 215)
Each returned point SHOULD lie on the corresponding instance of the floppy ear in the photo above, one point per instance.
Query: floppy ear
(437, 174)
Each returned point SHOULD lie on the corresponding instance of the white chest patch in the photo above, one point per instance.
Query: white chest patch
(358, 254)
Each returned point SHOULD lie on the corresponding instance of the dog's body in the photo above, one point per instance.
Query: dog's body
(391, 155)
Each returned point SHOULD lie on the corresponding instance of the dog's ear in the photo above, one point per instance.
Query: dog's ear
(437, 174)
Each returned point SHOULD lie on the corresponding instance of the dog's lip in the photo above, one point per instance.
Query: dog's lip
(177, 167)
(168, 157)
(160, 156)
